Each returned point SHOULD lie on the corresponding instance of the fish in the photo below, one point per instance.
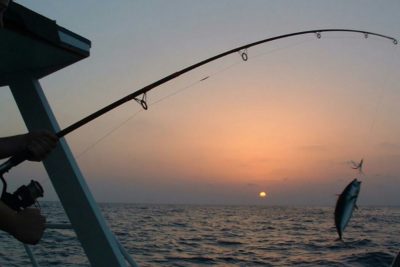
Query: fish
(345, 205)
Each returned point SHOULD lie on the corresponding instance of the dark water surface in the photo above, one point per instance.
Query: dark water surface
(180, 235)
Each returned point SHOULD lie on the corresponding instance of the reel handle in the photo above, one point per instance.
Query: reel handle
(14, 161)
(25, 196)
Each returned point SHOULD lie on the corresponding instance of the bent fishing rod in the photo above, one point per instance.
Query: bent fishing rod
(19, 158)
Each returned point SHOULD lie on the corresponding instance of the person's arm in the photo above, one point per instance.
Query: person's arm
(27, 226)
(12, 145)
(38, 144)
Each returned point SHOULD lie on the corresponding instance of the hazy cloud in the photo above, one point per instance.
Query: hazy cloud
(389, 146)
(313, 148)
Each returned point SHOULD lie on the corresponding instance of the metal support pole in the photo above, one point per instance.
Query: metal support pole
(85, 216)
(31, 256)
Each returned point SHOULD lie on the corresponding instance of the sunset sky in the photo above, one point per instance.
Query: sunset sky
(288, 121)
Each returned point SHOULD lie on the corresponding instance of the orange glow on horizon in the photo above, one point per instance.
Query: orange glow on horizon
(278, 131)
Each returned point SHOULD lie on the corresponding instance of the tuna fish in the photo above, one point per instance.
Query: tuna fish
(345, 205)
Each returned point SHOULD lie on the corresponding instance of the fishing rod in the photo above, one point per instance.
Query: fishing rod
(242, 50)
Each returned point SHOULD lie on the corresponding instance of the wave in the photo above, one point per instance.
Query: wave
(190, 236)
(192, 259)
(224, 242)
(373, 259)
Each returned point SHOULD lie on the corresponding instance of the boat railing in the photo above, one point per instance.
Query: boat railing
(131, 262)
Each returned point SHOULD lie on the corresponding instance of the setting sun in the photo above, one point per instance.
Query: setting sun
(262, 194)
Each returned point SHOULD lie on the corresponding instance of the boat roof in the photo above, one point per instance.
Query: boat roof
(35, 45)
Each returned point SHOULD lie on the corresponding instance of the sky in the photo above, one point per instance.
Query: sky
(288, 121)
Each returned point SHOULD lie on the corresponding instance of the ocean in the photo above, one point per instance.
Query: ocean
(205, 235)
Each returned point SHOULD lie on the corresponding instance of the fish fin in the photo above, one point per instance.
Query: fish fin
(339, 236)
(353, 197)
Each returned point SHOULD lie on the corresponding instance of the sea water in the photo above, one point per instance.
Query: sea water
(198, 235)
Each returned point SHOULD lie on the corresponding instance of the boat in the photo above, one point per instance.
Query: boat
(33, 46)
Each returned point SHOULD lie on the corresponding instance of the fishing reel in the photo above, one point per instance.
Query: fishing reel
(23, 197)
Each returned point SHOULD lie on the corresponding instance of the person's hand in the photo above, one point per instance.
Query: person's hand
(28, 226)
(39, 144)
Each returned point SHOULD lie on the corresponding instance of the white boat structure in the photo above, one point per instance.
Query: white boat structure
(33, 46)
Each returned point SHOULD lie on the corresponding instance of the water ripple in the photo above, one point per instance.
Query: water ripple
(179, 235)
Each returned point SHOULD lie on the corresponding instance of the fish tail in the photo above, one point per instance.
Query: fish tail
(340, 237)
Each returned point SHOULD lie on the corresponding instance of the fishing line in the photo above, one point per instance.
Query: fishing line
(195, 83)
(244, 55)
(131, 117)
(382, 93)
(176, 92)
(21, 157)
(123, 123)
(378, 103)
(259, 55)
(108, 133)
